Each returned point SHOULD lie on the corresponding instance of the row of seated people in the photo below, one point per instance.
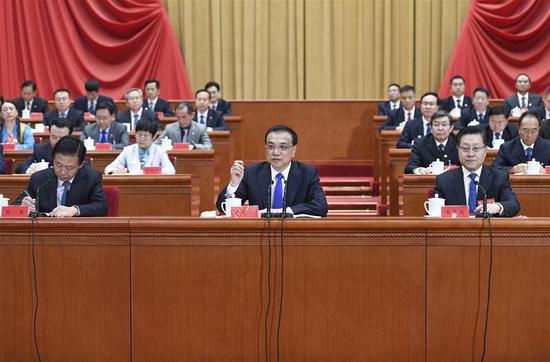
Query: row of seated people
(400, 105)
(71, 187)
(416, 127)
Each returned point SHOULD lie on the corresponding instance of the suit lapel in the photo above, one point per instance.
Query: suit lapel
(76, 187)
(294, 180)
(459, 188)
(520, 153)
(264, 176)
(485, 180)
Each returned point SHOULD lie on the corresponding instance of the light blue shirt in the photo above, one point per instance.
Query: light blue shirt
(28, 138)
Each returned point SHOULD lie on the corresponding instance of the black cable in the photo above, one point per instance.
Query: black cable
(268, 286)
(426, 296)
(282, 286)
(131, 291)
(488, 290)
(35, 313)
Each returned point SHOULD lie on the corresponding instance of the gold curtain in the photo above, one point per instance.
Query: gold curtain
(316, 49)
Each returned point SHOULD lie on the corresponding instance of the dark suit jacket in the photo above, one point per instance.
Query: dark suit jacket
(86, 191)
(509, 133)
(41, 151)
(512, 153)
(118, 135)
(81, 103)
(449, 103)
(126, 117)
(2, 161)
(398, 116)
(161, 106)
(533, 101)
(450, 186)
(224, 107)
(469, 115)
(384, 108)
(541, 112)
(413, 131)
(213, 119)
(74, 116)
(304, 194)
(424, 152)
(38, 105)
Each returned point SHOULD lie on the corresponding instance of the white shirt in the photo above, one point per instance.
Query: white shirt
(60, 189)
(132, 114)
(30, 104)
(461, 99)
(426, 124)
(154, 101)
(526, 96)
(467, 180)
(525, 147)
(394, 105)
(204, 114)
(94, 102)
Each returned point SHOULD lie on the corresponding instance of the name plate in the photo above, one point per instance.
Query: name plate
(37, 115)
(247, 211)
(152, 170)
(181, 146)
(103, 147)
(8, 146)
(455, 211)
(87, 115)
(160, 115)
(15, 211)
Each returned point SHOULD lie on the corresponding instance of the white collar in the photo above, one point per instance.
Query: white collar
(285, 172)
(60, 183)
(525, 147)
(467, 173)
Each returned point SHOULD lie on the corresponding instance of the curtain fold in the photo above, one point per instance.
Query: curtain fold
(63, 43)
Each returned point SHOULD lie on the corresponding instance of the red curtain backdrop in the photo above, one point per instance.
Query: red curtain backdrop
(499, 39)
(61, 43)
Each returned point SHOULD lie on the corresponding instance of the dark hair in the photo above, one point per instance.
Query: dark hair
(61, 90)
(441, 114)
(70, 146)
(525, 74)
(527, 114)
(471, 130)
(147, 124)
(430, 94)
(282, 128)
(62, 123)
(407, 88)
(157, 83)
(498, 110)
(186, 105)
(456, 77)
(480, 89)
(29, 83)
(1, 100)
(91, 85)
(106, 105)
(212, 84)
(202, 90)
(394, 85)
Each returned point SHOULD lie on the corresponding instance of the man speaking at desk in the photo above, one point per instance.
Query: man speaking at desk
(304, 194)
(70, 188)
(465, 185)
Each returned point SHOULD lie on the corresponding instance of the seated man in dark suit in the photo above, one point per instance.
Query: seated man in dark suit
(461, 186)
(513, 156)
(204, 115)
(499, 128)
(2, 161)
(439, 145)
(543, 113)
(184, 130)
(29, 100)
(63, 101)
(216, 103)
(252, 183)
(135, 111)
(522, 100)
(59, 128)
(105, 129)
(392, 104)
(477, 115)
(153, 102)
(457, 99)
(89, 102)
(419, 127)
(407, 112)
(70, 188)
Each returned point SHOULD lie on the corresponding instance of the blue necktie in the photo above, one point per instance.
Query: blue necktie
(136, 119)
(472, 197)
(91, 109)
(103, 138)
(428, 130)
(529, 153)
(202, 119)
(66, 185)
(278, 194)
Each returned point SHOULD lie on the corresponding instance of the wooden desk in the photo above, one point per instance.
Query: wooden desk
(388, 139)
(377, 121)
(195, 162)
(532, 191)
(386, 289)
(145, 195)
(398, 159)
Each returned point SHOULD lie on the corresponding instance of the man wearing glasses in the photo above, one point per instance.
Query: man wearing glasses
(70, 188)
(105, 129)
(513, 156)
(461, 186)
(303, 193)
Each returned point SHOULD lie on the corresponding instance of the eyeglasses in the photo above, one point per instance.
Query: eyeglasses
(475, 149)
(282, 148)
(143, 136)
(529, 130)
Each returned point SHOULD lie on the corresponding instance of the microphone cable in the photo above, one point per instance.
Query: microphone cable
(283, 216)
(268, 306)
(35, 312)
(489, 277)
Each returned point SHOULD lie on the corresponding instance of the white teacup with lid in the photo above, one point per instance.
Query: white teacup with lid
(433, 205)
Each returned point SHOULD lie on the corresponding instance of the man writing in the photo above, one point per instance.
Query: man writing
(70, 188)
(304, 194)
(465, 185)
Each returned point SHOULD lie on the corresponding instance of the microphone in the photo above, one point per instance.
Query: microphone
(268, 212)
(37, 212)
(484, 214)
(284, 214)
